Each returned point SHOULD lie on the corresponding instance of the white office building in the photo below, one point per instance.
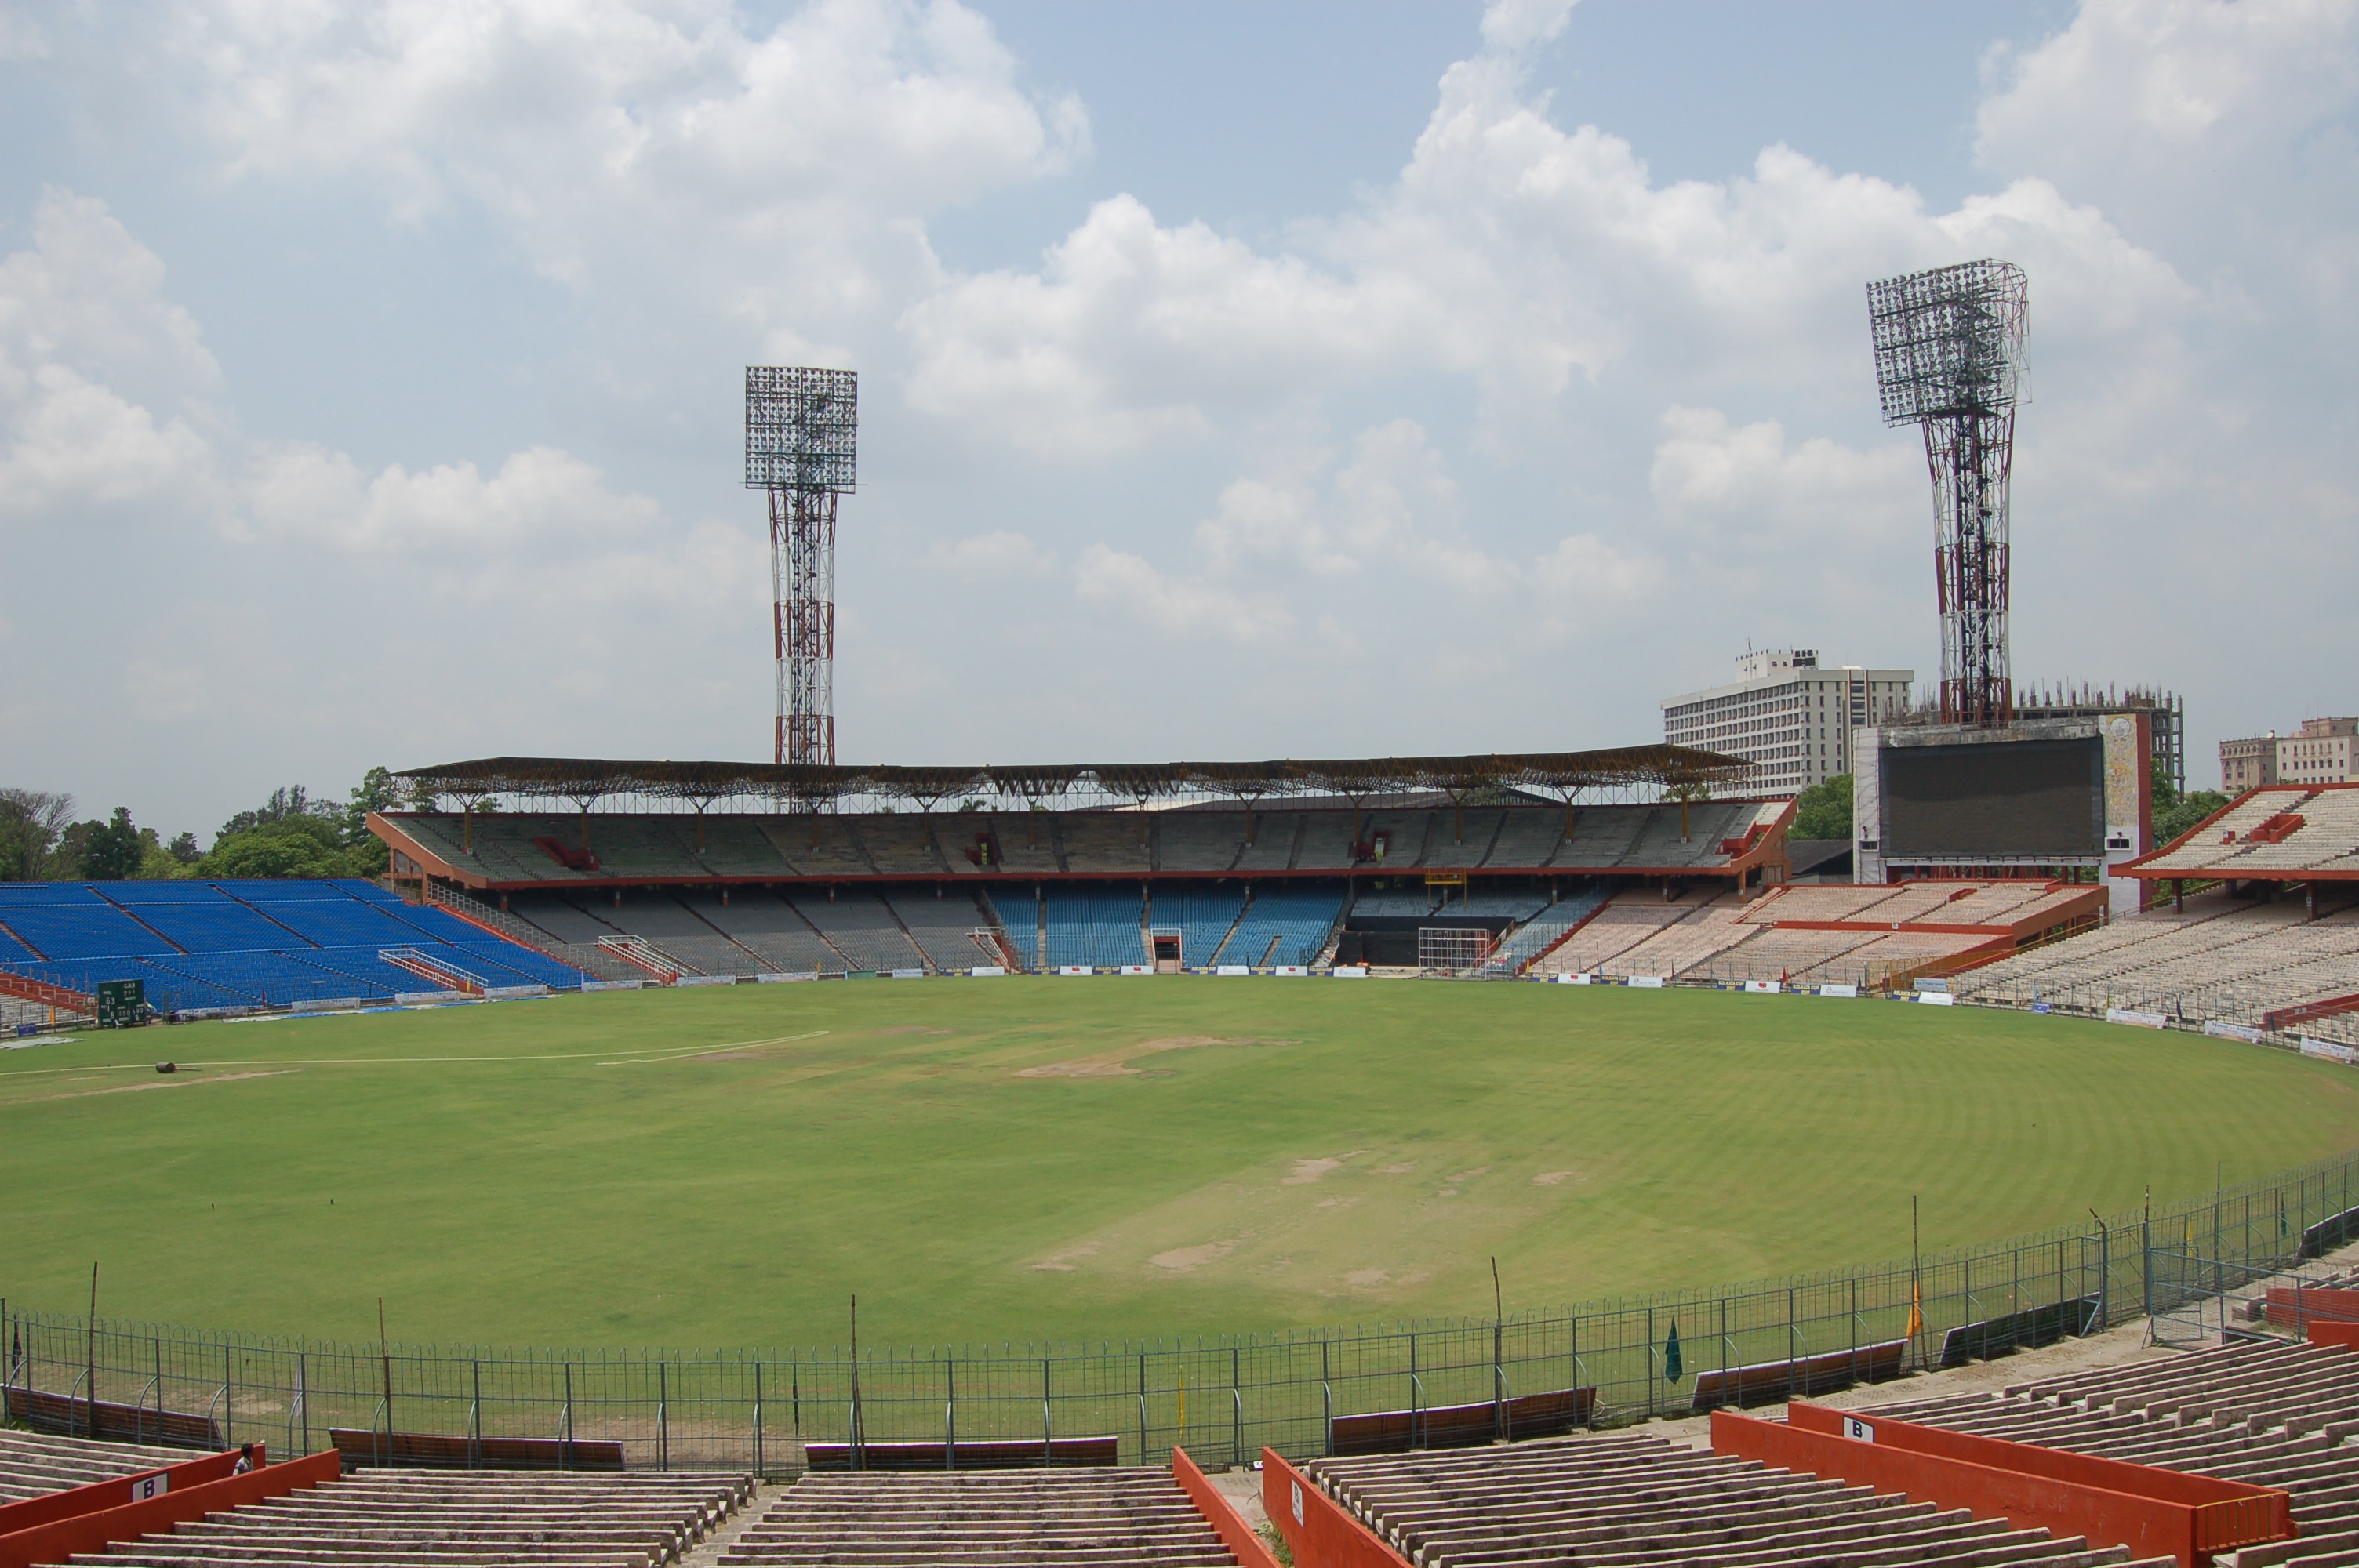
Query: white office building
(1789, 714)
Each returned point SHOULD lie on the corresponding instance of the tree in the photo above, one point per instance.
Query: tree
(111, 849)
(31, 821)
(2175, 813)
(293, 846)
(1823, 810)
(377, 791)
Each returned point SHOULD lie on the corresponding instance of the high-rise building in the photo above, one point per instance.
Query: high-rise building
(1789, 714)
(2320, 752)
(2249, 762)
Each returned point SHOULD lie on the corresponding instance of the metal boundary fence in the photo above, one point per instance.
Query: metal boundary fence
(1224, 1398)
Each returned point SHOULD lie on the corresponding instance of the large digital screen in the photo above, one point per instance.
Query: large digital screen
(1995, 797)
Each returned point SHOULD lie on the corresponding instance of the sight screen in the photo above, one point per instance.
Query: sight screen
(1999, 798)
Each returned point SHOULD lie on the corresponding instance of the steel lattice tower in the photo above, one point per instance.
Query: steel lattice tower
(801, 434)
(1949, 357)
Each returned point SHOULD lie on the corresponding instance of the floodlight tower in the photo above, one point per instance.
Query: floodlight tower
(801, 431)
(1949, 357)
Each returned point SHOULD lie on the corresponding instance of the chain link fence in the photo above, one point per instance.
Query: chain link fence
(1224, 1398)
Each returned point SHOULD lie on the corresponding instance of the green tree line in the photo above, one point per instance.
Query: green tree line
(288, 835)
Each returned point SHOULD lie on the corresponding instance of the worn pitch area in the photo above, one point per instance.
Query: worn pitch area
(1036, 1158)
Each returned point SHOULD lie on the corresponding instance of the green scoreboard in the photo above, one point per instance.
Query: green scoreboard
(121, 1005)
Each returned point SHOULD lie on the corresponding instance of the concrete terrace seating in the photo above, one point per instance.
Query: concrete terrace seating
(1528, 837)
(983, 1519)
(903, 845)
(816, 845)
(1325, 844)
(2273, 1414)
(859, 925)
(34, 1466)
(1640, 1501)
(1027, 839)
(1527, 941)
(390, 1519)
(1702, 930)
(1201, 840)
(941, 921)
(2220, 959)
(1105, 841)
(768, 927)
(1627, 920)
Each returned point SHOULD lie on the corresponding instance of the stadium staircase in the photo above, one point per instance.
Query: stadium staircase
(436, 972)
(1040, 1519)
(647, 958)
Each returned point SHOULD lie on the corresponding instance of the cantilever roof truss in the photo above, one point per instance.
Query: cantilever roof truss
(584, 780)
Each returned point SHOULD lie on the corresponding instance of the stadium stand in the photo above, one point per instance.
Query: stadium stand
(1093, 924)
(941, 921)
(763, 926)
(381, 1518)
(1202, 912)
(1627, 920)
(860, 925)
(2273, 1414)
(1017, 906)
(199, 945)
(1284, 923)
(1395, 904)
(1644, 1499)
(903, 846)
(981, 1519)
(1548, 926)
(33, 1466)
(1097, 843)
(1199, 840)
(1705, 931)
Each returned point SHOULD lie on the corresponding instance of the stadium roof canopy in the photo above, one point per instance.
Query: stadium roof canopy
(582, 779)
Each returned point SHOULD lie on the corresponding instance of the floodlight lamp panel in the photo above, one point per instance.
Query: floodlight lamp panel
(1949, 342)
(802, 427)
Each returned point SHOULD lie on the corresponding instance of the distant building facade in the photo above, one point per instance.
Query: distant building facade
(1789, 714)
(2248, 764)
(2320, 752)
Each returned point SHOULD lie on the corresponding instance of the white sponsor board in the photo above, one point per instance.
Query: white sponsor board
(2141, 1020)
(1763, 988)
(1138, 968)
(1939, 999)
(905, 974)
(1350, 971)
(2332, 1050)
(1582, 979)
(1645, 982)
(330, 1004)
(1074, 969)
(1296, 970)
(784, 979)
(1857, 1430)
(1838, 990)
(423, 999)
(2219, 1030)
(617, 985)
(988, 971)
(1931, 985)
(506, 993)
(704, 980)
(1231, 969)
(155, 1483)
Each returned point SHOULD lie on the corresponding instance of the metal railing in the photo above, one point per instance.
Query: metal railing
(1224, 1396)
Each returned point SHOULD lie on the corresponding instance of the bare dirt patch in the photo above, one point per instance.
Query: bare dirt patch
(1308, 1172)
(1552, 1178)
(1115, 1063)
(185, 1078)
(1401, 1170)
(1180, 1260)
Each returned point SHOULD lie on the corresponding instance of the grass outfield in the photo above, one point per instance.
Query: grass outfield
(988, 1160)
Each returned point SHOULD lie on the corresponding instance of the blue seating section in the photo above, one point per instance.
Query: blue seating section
(1202, 914)
(1529, 940)
(243, 944)
(1297, 918)
(1097, 925)
(1019, 912)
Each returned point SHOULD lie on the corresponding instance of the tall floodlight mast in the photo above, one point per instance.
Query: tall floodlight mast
(1949, 357)
(801, 431)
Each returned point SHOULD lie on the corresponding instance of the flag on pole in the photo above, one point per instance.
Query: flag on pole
(1673, 1367)
(1916, 1309)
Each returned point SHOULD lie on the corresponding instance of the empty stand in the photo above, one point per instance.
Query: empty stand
(33, 1465)
(1285, 922)
(941, 921)
(397, 1519)
(1038, 1519)
(1017, 906)
(1094, 923)
(1645, 1500)
(1202, 912)
(860, 925)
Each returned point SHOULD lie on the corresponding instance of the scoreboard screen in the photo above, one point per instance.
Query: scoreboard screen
(1995, 797)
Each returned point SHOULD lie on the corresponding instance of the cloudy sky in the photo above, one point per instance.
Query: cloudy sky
(1237, 380)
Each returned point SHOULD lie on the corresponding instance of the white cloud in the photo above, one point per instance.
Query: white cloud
(1519, 23)
(997, 553)
(1127, 584)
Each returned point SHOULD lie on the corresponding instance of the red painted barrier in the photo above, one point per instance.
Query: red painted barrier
(1319, 1531)
(2328, 1331)
(57, 1541)
(1243, 1541)
(2170, 1513)
(2296, 1307)
(115, 1493)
